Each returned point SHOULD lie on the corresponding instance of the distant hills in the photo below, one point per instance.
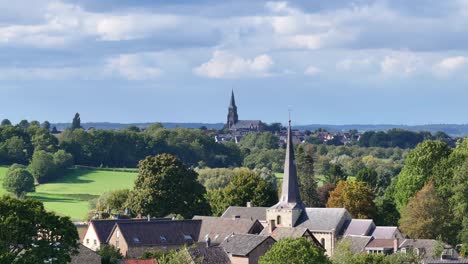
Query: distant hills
(451, 129)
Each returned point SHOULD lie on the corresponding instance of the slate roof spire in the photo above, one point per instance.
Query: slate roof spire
(233, 101)
(290, 195)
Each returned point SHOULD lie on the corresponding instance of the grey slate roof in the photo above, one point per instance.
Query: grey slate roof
(290, 195)
(174, 232)
(360, 227)
(282, 232)
(385, 232)
(103, 227)
(381, 243)
(323, 219)
(427, 245)
(445, 261)
(258, 213)
(247, 124)
(209, 255)
(85, 255)
(242, 245)
(358, 243)
(218, 228)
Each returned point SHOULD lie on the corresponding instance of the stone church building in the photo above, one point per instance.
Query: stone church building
(234, 124)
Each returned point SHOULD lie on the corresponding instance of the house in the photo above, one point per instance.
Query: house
(290, 232)
(258, 213)
(99, 230)
(217, 229)
(135, 238)
(246, 249)
(422, 247)
(382, 246)
(85, 255)
(360, 227)
(206, 254)
(357, 243)
(387, 232)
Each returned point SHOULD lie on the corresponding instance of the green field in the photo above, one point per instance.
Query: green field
(70, 195)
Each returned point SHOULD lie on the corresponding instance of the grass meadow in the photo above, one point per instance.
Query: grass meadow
(70, 195)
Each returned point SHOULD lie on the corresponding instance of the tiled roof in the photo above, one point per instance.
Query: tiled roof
(174, 232)
(85, 255)
(242, 245)
(209, 255)
(323, 219)
(358, 243)
(381, 243)
(218, 229)
(253, 213)
(360, 227)
(103, 227)
(384, 232)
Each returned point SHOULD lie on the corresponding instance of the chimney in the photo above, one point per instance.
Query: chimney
(208, 242)
(149, 217)
(249, 204)
(395, 245)
(272, 226)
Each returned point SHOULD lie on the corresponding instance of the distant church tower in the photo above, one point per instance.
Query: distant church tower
(286, 212)
(232, 117)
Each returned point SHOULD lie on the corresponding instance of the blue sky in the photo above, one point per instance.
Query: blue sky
(332, 62)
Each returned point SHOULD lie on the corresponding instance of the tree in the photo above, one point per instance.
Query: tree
(18, 181)
(76, 123)
(426, 216)
(164, 185)
(23, 124)
(109, 254)
(30, 234)
(46, 125)
(245, 186)
(306, 176)
(459, 201)
(35, 123)
(299, 250)
(42, 165)
(323, 193)
(335, 174)
(356, 197)
(6, 122)
(114, 200)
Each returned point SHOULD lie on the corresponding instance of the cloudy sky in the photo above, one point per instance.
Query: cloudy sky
(332, 62)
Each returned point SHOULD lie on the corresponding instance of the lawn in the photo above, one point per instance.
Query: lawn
(70, 195)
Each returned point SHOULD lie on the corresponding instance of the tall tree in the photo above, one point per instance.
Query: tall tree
(46, 125)
(298, 251)
(306, 176)
(426, 216)
(76, 123)
(18, 180)
(356, 197)
(164, 186)
(30, 234)
(6, 122)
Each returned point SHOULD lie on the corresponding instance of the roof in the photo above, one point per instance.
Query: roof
(242, 245)
(323, 219)
(258, 213)
(103, 227)
(247, 124)
(381, 243)
(360, 227)
(358, 243)
(209, 255)
(427, 245)
(384, 232)
(174, 232)
(140, 261)
(445, 261)
(282, 232)
(85, 255)
(290, 195)
(218, 229)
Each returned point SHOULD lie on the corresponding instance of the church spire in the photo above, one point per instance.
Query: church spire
(233, 101)
(290, 195)
(232, 117)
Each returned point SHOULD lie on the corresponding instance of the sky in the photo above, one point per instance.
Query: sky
(329, 62)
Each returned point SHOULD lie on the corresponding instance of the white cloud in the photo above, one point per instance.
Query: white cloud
(354, 64)
(226, 65)
(312, 71)
(402, 64)
(135, 66)
(449, 65)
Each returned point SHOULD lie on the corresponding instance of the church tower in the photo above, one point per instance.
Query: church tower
(232, 117)
(286, 212)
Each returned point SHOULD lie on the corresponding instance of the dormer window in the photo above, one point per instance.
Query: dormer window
(162, 238)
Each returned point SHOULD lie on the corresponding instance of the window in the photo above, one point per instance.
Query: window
(162, 238)
(136, 240)
(278, 219)
(117, 234)
(87, 241)
(95, 242)
(117, 244)
(322, 241)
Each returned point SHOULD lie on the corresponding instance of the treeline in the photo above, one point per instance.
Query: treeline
(399, 138)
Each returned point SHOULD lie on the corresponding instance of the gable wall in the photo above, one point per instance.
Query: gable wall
(90, 239)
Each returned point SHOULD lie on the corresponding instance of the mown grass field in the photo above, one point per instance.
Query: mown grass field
(70, 195)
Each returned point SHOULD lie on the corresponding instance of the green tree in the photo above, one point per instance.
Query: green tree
(30, 234)
(16, 150)
(426, 216)
(76, 123)
(42, 165)
(18, 180)
(23, 124)
(245, 186)
(164, 186)
(306, 176)
(459, 201)
(46, 125)
(298, 251)
(6, 122)
(356, 197)
(110, 254)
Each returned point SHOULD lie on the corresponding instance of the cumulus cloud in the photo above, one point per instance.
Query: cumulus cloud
(226, 65)
(401, 64)
(312, 71)
(449, 65)
(134, 66)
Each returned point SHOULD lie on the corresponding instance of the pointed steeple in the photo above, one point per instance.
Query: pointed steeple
(290, 195)
(232, 117)
(233, 101)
